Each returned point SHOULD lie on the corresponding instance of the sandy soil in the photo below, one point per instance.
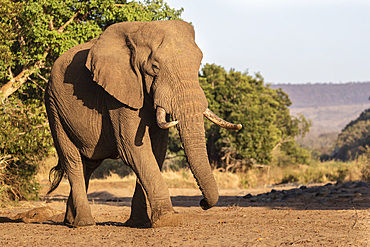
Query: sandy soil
(235, 221)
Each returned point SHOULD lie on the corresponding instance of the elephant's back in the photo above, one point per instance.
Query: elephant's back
(79, 101)
(70, 66)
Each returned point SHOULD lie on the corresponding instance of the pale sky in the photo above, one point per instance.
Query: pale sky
(287, 41)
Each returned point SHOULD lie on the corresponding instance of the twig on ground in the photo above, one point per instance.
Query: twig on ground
(356, 219)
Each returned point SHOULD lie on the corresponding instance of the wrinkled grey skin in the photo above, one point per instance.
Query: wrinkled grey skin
(101, 101)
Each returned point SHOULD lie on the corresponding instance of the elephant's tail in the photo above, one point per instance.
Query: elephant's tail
(57, 173)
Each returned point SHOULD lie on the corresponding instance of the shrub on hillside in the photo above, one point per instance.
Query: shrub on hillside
(354, 138)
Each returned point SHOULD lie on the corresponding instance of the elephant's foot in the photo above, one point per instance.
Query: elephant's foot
(171, 219)
(138, 223)
(79, 221)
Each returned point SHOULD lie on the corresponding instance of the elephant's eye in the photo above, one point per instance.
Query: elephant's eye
(155, 68)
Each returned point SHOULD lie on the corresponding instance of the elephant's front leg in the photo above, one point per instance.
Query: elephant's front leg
(156, 191)
(136, 150)
(139, 205)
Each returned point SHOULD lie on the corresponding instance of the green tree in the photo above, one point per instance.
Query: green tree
(33, 34)
(354, 138)
(241, 98)
(36, 32)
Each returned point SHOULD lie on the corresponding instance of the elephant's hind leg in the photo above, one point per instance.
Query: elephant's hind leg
(78, 211)
(139, 209)
(70, 218)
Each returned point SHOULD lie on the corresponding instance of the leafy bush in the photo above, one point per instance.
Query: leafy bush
(267, 125)
(110, 166)
(364, 160)
(321, 172)
(354, 137)
(24, 140)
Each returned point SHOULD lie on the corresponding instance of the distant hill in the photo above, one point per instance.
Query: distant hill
(318, 95)
(330, 106)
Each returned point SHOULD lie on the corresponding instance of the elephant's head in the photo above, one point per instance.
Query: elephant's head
(162, 59)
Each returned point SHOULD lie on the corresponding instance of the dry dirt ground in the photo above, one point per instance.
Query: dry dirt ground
(302, 220)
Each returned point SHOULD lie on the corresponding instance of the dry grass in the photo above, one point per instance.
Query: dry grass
(317, 172)
(113, 177)
(44, 167)
(227, 180)
(267, 175)
(174, 179)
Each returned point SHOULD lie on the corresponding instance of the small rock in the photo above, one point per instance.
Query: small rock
(334, 192)
(311, 190)
(361, 184)
(248, 196)
(288, 196)
(346, 185)
(339, 182)
(320, 194)
(303, 187)
(345, 196)
(328, 184)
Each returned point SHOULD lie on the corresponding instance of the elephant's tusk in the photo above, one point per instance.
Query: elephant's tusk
(161, 119)
(220, 122)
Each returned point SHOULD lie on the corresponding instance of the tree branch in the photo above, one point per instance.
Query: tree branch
(16, 82)
(36, 84)
(288, 139)
(42, 78)
(61, 29)
(51, 24)
(10, 73)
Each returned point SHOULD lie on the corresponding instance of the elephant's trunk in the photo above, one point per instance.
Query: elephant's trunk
(187, 106)
(191, 129)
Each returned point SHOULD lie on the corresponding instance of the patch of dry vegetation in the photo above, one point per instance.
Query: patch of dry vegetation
(316, 172)
(44, 167)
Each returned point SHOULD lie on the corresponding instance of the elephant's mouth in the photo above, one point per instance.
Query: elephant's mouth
(163, 124)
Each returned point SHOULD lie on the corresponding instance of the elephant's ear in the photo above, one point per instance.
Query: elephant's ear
(112, 63)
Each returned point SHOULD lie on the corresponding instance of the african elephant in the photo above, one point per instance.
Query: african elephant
(113, 98)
